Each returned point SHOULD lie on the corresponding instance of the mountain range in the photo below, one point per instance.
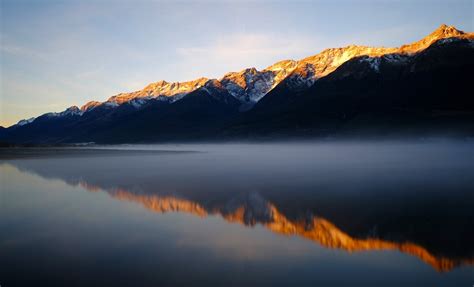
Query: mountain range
(416, 89)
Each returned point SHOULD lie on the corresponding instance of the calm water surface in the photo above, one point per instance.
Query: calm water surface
(301, 214)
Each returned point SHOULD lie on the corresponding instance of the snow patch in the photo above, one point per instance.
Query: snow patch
(374, 62)
(25, 121)
(396, 58)
(111, 104)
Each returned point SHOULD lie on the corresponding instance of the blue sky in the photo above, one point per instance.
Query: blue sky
(55, 54)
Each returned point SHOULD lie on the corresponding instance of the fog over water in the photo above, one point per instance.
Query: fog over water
(301, 214)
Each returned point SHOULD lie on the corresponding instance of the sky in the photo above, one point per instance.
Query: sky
(55, 54)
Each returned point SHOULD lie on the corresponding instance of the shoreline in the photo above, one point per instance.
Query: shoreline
(12, 153)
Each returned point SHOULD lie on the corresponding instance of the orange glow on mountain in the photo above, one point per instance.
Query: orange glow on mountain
(330, 59)
(251, 84)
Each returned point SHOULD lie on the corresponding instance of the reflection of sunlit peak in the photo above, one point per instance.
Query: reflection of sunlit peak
(252, 208)
(89, 187)
(249, 209)
(161, 204)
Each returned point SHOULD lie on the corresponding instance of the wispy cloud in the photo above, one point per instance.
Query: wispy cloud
(246, 45)
(240, 50)
(21, 51)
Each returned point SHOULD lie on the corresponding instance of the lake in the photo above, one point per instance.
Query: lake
(241, 214)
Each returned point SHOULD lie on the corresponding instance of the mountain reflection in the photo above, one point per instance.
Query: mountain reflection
(251, 208)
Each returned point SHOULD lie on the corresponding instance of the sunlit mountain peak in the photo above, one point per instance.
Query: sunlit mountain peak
(160, 88)
(250, 85)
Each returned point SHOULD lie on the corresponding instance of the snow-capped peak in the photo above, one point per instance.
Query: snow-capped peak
(160, 88)
(314, 67)
(442, 32)
(250, 85)
(90, 105)
(25, 121)
(71, 111)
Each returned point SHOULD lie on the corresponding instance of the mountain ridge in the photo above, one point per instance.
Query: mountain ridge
(282, 69)
(251, 90)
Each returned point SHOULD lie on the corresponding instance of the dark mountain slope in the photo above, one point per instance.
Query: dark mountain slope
(430, 91)
(200, 114)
